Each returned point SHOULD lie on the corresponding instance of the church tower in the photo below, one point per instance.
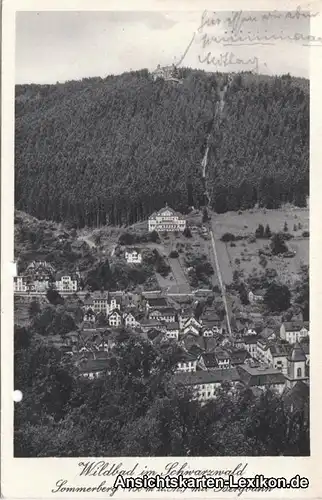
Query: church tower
(296, 366)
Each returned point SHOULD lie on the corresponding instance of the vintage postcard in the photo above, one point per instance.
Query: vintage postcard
(160, 249)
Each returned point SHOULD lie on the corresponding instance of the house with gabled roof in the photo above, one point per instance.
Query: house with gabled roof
(256, 296)
(133, 255)
(156, 303)
(262, 376)
(115, 318)
(93, 368)
(204, 384)
(148, 324)
(166, 219)
(294, 331)
(130, 320)
(168, 315)
(187, 362)
(297, 368)
(172, 330)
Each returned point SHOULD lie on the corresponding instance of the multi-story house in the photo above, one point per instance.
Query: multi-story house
(65, 283)
(133, 256)
(297, 367)
(98, 302)
(204, 384)
(130, 321)
(294, 331)
(257, 296)
(156, 303)
(115, 318)
(172, 330)
(166, 73)
(167, 314)
(166, 219)
(187, 363)
(191, 325)
(249, 342)
(20, 284)
(262, 376)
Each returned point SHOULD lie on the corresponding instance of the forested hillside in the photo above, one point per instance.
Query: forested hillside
(113, 150)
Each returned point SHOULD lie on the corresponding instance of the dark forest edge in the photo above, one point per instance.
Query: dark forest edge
(112, 150)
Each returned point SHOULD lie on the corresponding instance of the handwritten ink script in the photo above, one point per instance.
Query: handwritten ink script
(99, 476)
(218, 30)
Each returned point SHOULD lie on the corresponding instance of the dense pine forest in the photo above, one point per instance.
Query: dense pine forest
(112, 150)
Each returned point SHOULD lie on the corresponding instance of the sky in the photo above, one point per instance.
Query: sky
(59, 46)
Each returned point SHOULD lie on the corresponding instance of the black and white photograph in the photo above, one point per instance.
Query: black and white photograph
(161, 233)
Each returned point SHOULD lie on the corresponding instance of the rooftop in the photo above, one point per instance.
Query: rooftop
(295, 326)
(297, 353)
(163, 211)
(207, 377)
(157, 302)
(260, 375)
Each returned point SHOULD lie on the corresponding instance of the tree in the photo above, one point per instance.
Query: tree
(267, 233)
(259, 233)
(205, 215)
(243, 295)
(54, 297)
(34, 308)
(285, 228)
(277, 297)
(303, 292)
(278, 245)
(187, 232)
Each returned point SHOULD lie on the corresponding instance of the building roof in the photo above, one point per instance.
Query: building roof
(297, 353)
(258, 375)
(306, 347)
(151, 323)
(278, 350)
(115, 311)
(93, 365)
(267, 332)
(221, 354)
(173, 326)
(97, 294)
(186, 356)
(258, 292)
(239, 356)
(210, 360)
(132, 250)
(295, 326)
(165, 209)
(250, 339)
(207, 377)
(195, 350)
(165, 310)
(153, 333)
(157, 302)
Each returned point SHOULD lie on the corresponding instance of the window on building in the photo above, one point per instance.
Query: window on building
(299, 372)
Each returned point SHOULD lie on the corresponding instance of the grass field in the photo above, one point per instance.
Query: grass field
(246, 223)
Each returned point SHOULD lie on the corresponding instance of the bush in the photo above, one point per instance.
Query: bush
(228, 237)
(232, 244)
(259, 233)
(278, 244)
(173, 254)
(306, 234)
(187, 233)
(126, 239)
